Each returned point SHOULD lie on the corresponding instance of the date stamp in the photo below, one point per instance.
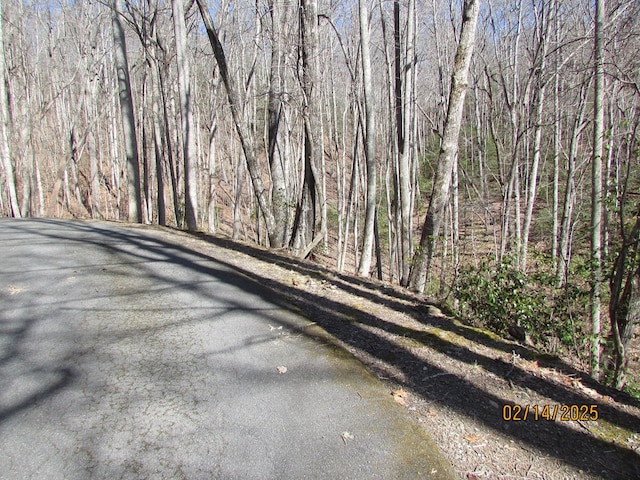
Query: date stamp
(550, 413)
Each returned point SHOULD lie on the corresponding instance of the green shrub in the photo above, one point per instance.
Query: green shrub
(502, 296)
(498, 297)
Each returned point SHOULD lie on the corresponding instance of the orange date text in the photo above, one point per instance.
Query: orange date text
(551, 413)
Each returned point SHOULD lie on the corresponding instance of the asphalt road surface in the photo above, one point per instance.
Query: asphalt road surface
(126, 357)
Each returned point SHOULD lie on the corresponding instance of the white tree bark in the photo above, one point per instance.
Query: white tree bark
(186, 111)
(537, 141)
(448, 153)
(369, 143)
(304, 234)
(128, 118)
(246, 139)
(276, 105)
(9, 175)
(596, 189)
(403, 118)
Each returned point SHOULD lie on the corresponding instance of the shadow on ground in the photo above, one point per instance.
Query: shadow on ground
(357, 330)
(352, 326)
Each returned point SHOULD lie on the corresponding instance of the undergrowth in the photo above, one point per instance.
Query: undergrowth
(501, 296)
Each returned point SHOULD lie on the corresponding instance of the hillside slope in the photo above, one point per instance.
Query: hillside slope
(467, 387)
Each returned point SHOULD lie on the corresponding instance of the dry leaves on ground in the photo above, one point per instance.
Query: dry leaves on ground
(400, 396)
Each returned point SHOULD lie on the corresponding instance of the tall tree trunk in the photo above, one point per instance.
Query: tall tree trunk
(514, 101)
(369, 143)
(557, 132)
(537, 141)
(596, 189)
(566, 222)
(158, 144)
(128, 118)
(402, 104)
(448, 153)
(304, 234)
(166, 132)
(246, 139)
(391, 155)
(9, 175)
(212, 219)
(94, 172)
(147, 202)
(279, 200)
(186, 111)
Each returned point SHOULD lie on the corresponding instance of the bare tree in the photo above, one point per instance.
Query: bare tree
(566, 223)
(305, 237)
(128, 116)
(541, 38)
(10, 179)
(186, 111)
(596, 188)
(449, 151)
(369, 142)
(403, 85)
(279, 12)
(246, 138)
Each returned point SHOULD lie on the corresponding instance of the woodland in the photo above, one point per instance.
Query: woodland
(484, 153)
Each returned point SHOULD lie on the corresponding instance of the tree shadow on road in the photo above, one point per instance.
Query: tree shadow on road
(374, 340)
(416, 307)
(356, 329)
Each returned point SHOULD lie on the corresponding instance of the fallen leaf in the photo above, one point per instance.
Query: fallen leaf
(14, 290)
(400, 396)
(346, 436)
(472, 438)
(300, 280)
(281, 369)
(530, 366)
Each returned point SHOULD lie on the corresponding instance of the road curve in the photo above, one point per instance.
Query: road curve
(123, 356)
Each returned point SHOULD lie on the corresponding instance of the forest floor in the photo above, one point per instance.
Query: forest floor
(466, 386)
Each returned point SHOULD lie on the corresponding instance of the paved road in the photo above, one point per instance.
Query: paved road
(125, 357)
